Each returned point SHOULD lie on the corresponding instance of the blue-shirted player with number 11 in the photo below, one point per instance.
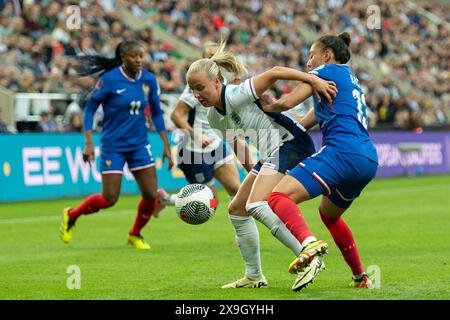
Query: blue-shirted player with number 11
(124, 89)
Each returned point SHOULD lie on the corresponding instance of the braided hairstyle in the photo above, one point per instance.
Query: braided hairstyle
(92, 64)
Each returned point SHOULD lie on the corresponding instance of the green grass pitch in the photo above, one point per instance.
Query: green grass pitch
(402, 226)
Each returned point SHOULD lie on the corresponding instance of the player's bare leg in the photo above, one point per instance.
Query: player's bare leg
(214, 189)
(111, 185)
(228, 177)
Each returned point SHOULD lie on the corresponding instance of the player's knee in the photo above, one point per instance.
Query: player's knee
(111, 198)
(252, 209)
(254, 197)
(149, 195)
(236, 209)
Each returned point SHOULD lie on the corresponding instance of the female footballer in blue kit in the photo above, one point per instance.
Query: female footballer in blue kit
(124, 89)
(341, 169)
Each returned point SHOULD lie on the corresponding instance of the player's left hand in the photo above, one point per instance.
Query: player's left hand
(168, 155)
(323, 87)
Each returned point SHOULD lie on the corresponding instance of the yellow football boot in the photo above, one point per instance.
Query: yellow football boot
(138, 242)
(67, 226)
(363, 283)
(316, 248)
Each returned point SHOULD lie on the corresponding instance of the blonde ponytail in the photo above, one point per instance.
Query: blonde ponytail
(228, 62)
(222, 64)
(209, 48)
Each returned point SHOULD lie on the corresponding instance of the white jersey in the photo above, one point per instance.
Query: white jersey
(198, 120)
(243, 118)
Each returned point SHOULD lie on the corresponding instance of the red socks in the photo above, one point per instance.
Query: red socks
(96, 202)
(90, 205)
(344, 240)
(290, 214)
(145, 211)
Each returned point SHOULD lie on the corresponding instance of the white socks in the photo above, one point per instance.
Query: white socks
(308, 240)
(248, 240)
(170, 199)
(261, 211)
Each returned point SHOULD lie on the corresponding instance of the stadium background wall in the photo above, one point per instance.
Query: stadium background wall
(49, 166)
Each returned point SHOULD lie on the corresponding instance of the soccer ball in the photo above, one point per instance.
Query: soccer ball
(195, 204)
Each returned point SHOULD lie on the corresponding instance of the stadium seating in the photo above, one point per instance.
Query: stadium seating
(403, 65)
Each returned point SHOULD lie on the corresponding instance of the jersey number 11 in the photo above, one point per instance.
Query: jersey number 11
(134, 107)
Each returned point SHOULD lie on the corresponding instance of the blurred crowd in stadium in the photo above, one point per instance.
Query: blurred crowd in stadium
(403, 65)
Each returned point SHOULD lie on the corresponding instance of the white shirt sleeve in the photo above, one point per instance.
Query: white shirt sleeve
(242, 94)
(188, 97)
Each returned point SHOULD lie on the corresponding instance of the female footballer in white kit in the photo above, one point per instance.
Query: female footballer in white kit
(237, 113)
(202, 155)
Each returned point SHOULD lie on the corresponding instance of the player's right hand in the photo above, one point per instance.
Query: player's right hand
(323, 87)
(206, 142)
(203, 141)
(88, 153)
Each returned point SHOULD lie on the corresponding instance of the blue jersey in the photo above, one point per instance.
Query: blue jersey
(123, 100)
(344, 122)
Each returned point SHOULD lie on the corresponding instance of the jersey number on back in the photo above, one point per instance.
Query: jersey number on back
(134, 107)
(362, 117)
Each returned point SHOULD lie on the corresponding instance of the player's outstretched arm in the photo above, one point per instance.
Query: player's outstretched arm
(300, 93)
(265, 80)
(308, 121)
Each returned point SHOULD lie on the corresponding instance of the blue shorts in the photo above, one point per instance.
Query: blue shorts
(199, 167)
(338, 175)
(113, 162)
(287, 156)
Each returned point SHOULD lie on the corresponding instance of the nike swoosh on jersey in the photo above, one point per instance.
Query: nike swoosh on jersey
(119, 91)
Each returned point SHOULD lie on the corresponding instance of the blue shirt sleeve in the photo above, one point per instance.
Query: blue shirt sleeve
(88, 115)
(99, 95)
(155, 107)
(101, 90)
(324, 71)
